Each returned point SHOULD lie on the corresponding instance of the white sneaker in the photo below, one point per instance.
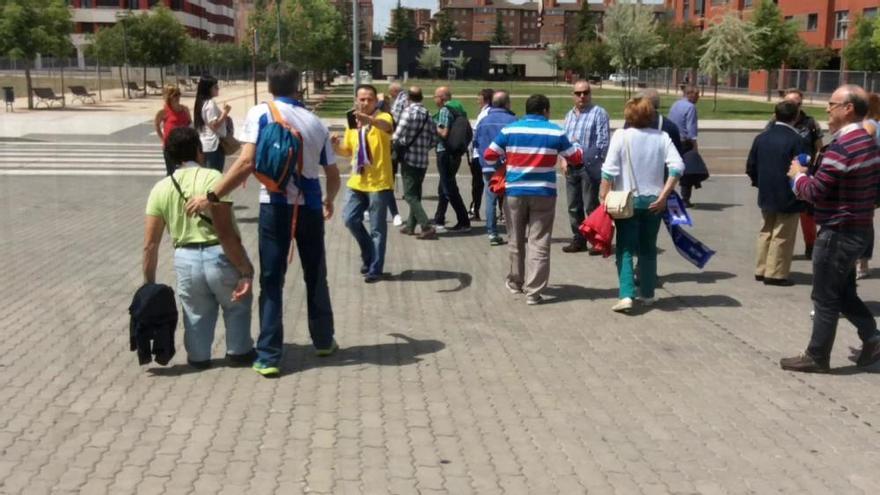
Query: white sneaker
(534, 299)
(398, 220)
(648, 301)
(623, 305)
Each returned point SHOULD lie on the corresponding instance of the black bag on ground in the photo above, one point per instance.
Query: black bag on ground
(695, 169)
(460, 133)
(153, 321)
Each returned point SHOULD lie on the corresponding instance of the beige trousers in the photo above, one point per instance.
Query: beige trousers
(776, 244)
(530, 226)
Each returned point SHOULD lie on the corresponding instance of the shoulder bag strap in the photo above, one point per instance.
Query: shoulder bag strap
(629, 167)
(185, 199)
(419, 132)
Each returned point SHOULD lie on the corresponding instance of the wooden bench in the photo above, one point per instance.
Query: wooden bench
(183, 83)
(132, 86)
(82, 94)
(47, 97)
(153, 86)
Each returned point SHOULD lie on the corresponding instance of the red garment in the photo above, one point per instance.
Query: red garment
(598, 230)
(173, 120)
(808, 226)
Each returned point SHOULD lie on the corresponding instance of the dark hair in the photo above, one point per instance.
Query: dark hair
(486, 95)
(415, 94)
(367, 86)
(183, 145)
(857, 97)
(203, 94)
(537, 105)
(283, 79)
(786, 111)
(793, 91)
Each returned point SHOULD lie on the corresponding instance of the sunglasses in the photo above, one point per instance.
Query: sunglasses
(581, 93)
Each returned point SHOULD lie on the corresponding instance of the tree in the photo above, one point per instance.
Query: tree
(773, 39)
(401, 28)
(32, 27)
(551, 56)
(728, 45)
(687, 42)
(587, 24)
(631, 35)
(860, 52)
(161, 40)
(445, 28)
(588, 57)
(804, 56)
(106, 46)
(460, 63)
(430, 59)
(499, 36)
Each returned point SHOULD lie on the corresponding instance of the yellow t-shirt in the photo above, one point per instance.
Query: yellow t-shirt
(165, 202)
(378, 176)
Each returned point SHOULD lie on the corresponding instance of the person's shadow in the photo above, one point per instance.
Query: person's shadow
(404, 351)
(464, 279)
(567, 292)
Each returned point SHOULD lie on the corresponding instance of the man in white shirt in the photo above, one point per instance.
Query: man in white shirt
(484, 100)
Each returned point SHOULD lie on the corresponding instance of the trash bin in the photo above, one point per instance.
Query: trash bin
(9, 97)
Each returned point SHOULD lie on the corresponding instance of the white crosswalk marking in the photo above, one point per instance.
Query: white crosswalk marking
(83, 158)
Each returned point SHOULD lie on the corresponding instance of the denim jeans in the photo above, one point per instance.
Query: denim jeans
(491, 201)
(274, 238)
(215, 159)
(637, 236)
(834, 289)
(583, 197)
(205, 282)
(372, 243)
(447, 189)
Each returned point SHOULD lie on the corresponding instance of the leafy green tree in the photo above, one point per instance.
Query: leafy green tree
(32, 27)
(588, 57)
(499, 36)
(804, 56)
(630, 32)
(860, 52)
(431, 59)
(105, 45)
(588, 23)
(161, 40)
(773, 39)
(551, 56)
(445, 28)
(401, 28)
(460, 63)
(728, 45)
(687, 42)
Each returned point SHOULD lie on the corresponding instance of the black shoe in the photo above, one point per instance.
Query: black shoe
(804, 363)
(574, 247)
(688, 203)
(364, 269)
(870, 353)
(459, 228)
(372, 278)
(241, 360)
(199, 365)
(779, 282)
(595, 252)
(808, 252)
(759, 278)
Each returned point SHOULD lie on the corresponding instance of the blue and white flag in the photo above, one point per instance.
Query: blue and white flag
(687, 245)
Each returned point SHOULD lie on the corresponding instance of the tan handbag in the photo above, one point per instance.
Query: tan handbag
(228, 142)
(619, 204)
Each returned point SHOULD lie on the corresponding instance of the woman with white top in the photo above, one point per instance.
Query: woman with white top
(873, 127)
(210, 122)
(636, 161)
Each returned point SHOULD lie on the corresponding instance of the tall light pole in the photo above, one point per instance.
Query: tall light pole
(355, 40)
(122, 15)
(278, 26)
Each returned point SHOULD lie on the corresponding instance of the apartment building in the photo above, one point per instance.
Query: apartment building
(365, 14)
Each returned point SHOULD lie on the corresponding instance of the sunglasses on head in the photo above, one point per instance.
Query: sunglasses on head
(581, 93)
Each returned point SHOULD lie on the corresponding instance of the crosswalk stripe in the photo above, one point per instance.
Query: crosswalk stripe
(80, 158)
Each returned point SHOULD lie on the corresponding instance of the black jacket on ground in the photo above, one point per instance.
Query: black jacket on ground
(153, 321)
(768, 164)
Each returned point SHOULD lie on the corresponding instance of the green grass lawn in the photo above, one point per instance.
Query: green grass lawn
(560, 100)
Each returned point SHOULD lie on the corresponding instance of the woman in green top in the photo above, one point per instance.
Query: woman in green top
(211, 264)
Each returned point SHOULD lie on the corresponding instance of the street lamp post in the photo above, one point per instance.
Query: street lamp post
(355, 49)
(122, 15)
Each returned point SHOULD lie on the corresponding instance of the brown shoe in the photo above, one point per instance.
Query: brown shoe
(428, 234)
(804, 363)
(407, 231)
(574, 247)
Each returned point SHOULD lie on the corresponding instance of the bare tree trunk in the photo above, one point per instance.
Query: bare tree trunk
(63, 99)
(715, 100)
(30, 92)
(162, 76)
(121, 82)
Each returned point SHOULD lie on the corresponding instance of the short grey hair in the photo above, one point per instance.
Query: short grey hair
(500, 99)
(858, 97)
(652, 95)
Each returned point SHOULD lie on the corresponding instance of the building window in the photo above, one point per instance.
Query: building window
(812, 22)
(747, 4)
(841, 22)
(870, 13)
(686, 6)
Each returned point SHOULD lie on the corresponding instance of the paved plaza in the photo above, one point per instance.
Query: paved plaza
(445, 383)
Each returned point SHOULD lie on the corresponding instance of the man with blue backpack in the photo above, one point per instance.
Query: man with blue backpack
(286, 147)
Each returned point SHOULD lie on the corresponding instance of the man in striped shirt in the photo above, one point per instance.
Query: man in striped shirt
(844, 192)
(530, 148)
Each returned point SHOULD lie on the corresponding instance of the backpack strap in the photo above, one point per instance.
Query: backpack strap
(279, 119)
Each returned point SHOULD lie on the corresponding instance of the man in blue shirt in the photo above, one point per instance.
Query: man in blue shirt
(587, 125)
(683, 114)
(496, 118)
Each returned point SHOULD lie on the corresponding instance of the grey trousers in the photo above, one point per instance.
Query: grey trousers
(530, 226)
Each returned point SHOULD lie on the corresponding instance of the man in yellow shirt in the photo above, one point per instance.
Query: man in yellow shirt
(371, 185)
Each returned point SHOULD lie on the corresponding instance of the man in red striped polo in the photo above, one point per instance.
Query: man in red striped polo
(844, 192)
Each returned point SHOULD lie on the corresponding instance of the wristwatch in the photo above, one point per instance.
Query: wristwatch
(212, 197)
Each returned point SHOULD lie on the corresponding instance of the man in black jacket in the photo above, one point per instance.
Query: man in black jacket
(767, 166)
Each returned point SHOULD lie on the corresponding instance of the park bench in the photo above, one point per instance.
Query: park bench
(595, 80)
(47, 97)
(82, 94)
(184, 84)
(153, 86)
(132, 86)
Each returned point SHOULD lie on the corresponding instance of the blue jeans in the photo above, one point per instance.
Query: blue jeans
(491, 200)
(205, 282)
(215, 159)
(274, 238)
(372, 243)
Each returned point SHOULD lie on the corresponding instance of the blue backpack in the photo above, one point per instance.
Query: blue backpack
(278, 146)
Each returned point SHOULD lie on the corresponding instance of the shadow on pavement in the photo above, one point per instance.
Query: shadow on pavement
(713, 206)
(185, 369)
(248, 220)
(682, 302)
(464, 279)
(800, 278)
(566, 292)
(404, 352)
(698, 277)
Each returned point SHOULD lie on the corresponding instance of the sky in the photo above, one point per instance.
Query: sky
(382, 11)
